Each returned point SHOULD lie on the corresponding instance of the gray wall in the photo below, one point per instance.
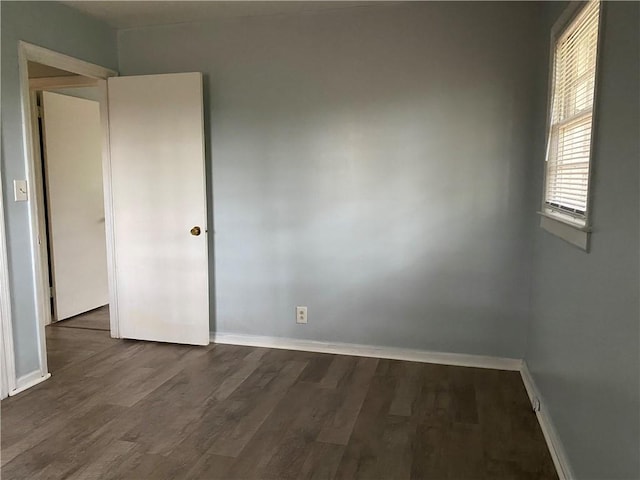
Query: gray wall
(369, 163)
(60, 28)
(583, 339)
(374, 164)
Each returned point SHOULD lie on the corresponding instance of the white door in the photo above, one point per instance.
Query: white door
(72, 138)
(159, 205)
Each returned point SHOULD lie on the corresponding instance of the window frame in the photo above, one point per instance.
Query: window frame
(556, 223)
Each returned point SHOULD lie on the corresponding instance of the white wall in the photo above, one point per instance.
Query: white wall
(370, 163)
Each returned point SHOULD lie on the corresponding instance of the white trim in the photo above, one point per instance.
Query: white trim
(572, 10)
(51, 58)
(6, 328)
(29, 380)
(28, 52)
(566, 219)
(38, 193)
(551, 436)
(108, 211)
(568, 233)
(34, 202)
(394, 353)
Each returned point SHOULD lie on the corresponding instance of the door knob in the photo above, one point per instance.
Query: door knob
(195, 231)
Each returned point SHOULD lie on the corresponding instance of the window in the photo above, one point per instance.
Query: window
(568, 161)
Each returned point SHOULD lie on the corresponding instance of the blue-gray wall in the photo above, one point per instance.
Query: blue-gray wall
(374, 164)
(369, 163)
(59, 28)
(584, 334)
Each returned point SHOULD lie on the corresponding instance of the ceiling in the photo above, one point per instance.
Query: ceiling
(128, 14)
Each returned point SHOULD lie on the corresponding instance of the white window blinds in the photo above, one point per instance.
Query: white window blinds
(569, 149)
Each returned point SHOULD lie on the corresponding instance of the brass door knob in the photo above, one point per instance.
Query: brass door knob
(195, 231)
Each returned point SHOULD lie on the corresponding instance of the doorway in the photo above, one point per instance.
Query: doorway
(153, 164)
(57, 71)
(67, 138)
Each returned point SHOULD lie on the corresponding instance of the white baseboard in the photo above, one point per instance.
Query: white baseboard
(27, 381)
(554, 444)
(394, 353)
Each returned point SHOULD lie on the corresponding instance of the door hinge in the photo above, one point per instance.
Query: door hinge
(40, 111)
(51, 292)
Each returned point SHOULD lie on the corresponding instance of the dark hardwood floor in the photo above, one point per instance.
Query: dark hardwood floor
(97, 319)
(140, 410)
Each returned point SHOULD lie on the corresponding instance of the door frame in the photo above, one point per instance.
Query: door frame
(29, 52)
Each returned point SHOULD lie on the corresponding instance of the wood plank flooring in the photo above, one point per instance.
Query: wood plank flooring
(117, 409)
(97, 319)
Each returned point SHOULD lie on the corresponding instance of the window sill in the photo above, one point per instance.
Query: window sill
(573, 234)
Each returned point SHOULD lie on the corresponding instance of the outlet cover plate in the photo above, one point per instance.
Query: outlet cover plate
(301, 314)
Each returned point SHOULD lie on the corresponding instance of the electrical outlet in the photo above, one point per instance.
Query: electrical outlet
(301, 314)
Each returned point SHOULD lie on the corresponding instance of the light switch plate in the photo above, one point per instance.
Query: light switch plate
(20, 190)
